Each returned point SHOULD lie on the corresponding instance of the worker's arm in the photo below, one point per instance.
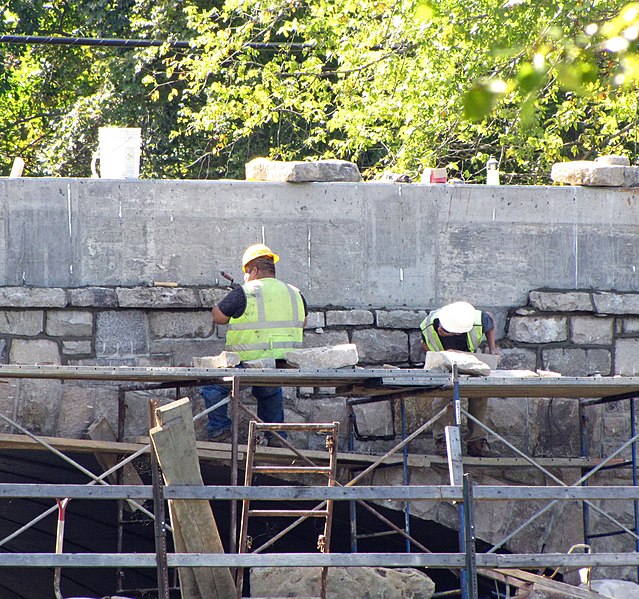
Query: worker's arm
(219, 317)
(490, 337)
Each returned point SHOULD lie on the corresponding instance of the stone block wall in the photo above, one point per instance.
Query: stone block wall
(578, 333)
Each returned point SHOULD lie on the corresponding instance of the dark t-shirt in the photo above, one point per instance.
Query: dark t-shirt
(460, 342)
(234, 304)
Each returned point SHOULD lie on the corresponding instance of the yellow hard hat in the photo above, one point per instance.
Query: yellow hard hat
(458, 317)
(258, 250)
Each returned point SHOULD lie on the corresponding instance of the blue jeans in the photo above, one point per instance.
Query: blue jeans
(270, 407)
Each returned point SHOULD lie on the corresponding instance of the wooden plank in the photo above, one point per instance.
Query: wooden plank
(521, 577)
(174, 443)
(188, 581)
(221, 453)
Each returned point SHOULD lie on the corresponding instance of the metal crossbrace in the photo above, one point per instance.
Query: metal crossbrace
(557, 480)
(324, 510)
(96, 479)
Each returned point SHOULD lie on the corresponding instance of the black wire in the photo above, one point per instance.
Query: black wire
(129, 43)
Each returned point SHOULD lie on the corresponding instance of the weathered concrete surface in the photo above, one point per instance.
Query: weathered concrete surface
(344, 244)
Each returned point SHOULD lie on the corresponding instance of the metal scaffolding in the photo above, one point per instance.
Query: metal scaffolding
(366, 385)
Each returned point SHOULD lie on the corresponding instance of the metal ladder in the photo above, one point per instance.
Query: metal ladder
(322, 510)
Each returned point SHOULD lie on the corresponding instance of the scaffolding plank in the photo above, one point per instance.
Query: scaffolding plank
(174, 443)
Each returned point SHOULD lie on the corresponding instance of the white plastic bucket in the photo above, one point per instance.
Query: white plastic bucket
(118, 153)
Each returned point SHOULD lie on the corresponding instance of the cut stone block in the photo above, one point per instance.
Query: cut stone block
(594, 174)
(570, 301)
(491, 360)
(374, 419)
(356, 583)
(336, 356)
(514, 374)
(227, 359)
(466, 363)
(261, 363)
(263, 169)
(613, 159)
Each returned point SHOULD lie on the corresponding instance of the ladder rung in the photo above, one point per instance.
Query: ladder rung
(295, 426)
(311, 513)
(293, 469)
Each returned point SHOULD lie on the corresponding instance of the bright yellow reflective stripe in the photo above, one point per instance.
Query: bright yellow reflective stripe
(278, 324)
(254, 346)
(296, 316)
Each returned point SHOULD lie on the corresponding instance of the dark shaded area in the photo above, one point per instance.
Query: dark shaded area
(91, 526)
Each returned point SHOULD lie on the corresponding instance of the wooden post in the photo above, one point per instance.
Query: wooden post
(174, 443)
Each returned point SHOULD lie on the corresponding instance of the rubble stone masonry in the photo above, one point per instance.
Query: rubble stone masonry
(573, 332)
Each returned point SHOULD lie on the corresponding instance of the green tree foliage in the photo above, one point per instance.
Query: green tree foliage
(391, 84)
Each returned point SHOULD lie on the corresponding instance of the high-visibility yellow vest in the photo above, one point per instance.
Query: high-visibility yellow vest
(433, 341)
(272, 324)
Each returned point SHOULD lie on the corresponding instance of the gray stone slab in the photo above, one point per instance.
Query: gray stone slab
(39, 405)
(336, 318)
(590, 173)
(374, 419)
(628, 325)
(21, 322)
(225, 359)
(577, 362)
(95, 297)
(69, 323)
(613, 159)
(560, 301)
(627, 357)
(81, 406)
(157, 297)
(121, 333)
(263, 169)
(381, 346)
(590, 330)
(315, 320)
(616, 303)
(400, 319)
(175, 325)
(9, 403)
(34, 351)
(182, 351)
(211, 296)
(515, 358)
(356, 583)
(553, 427)
(315, 339)
(416, 352)
(32, 297)
(538, 329)
(336, 356)
(75, 348)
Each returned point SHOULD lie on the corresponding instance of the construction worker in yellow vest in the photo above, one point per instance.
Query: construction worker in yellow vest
(459, 327)
(265, 319)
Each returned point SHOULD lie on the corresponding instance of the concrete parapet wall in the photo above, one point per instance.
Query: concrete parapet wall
(344, 244)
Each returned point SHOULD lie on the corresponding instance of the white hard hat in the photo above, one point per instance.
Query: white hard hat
(458, 317)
